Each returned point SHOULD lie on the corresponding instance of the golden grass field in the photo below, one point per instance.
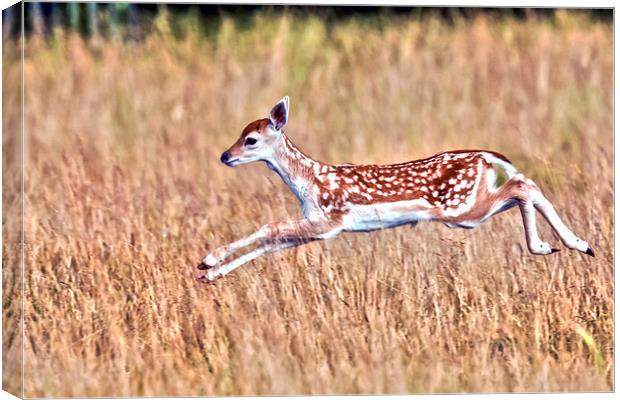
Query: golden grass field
(125, 194)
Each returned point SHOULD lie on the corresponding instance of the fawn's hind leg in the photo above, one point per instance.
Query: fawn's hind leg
(522, 192)
(489, 202)
(530, 198)
(534, 243)
(569, 239)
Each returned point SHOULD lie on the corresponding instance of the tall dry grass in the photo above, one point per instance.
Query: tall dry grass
(125, 194)
(12, 272)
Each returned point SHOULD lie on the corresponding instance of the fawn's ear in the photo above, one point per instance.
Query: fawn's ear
(279, 114)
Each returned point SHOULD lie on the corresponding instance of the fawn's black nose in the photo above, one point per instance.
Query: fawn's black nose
(225, 157)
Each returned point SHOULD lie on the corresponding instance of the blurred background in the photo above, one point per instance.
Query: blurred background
(131, 20)
(127, 109)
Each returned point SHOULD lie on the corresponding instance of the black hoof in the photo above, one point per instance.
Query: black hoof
(554, 250)
(590, 252)
(202, 265)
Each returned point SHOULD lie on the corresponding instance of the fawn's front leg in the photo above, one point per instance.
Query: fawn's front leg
(273, 237)
(217, 272)
(218, 255)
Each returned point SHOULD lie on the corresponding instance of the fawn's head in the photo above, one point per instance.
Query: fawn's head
(259, 138)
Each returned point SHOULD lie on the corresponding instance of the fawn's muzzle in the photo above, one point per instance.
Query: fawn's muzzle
(225, 157)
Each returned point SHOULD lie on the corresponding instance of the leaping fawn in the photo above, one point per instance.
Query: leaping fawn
(457, 188)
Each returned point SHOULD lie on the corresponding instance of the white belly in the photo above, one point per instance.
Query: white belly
(386, 215)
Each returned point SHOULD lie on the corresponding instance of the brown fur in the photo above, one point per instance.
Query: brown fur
(260, 126)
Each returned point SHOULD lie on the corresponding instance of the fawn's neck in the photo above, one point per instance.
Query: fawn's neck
(296, 169)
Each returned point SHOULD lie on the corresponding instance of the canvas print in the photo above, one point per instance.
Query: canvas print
(218, 200)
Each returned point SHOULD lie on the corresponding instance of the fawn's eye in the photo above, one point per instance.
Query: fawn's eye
(250, 141)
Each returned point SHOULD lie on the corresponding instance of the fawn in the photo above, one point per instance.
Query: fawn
(457, 188)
